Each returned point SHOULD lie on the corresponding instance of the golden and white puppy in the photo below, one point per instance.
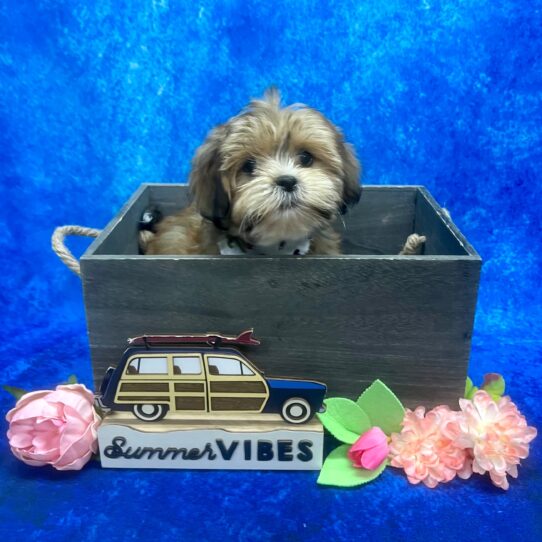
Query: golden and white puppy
(271, 180)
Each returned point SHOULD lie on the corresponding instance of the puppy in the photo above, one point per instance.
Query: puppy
(269, 181)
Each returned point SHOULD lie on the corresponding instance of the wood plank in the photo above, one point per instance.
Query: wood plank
(169, 197)
(120, 236)
(443, 237)
(381, 222)
(344, 321)
(379, 225)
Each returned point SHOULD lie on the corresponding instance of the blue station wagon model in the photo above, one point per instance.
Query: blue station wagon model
(158, 374)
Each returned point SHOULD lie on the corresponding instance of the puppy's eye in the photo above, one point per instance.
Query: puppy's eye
(249, 166)
(306, 159)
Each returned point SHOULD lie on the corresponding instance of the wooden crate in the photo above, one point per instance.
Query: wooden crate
(344, 320)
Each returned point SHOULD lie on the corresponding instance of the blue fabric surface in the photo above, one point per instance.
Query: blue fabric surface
(97, 97)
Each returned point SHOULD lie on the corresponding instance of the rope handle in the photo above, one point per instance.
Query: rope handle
(61, 250)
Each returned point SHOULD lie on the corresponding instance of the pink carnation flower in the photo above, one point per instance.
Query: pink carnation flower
(425, 447)
(498, 435)
(55, 428)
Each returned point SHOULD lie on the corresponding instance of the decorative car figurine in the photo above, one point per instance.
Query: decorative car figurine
(158, 374)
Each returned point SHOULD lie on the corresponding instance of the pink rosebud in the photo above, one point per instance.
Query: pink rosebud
(370, 449)
(55, 428)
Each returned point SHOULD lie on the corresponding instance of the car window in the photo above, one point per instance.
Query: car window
(133, 367)
(221, 366)
(187, 365)
(150, 365)
(246, 369)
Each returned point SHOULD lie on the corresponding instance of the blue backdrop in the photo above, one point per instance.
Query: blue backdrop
(97, 97)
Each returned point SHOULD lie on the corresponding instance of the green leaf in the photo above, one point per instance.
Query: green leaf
(72, 379)
(339, 471)
(344, 419)
(494, 385)
(383, 407)
(16, 392)
(470, 389)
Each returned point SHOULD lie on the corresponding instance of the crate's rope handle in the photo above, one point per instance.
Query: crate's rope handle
(61, 250)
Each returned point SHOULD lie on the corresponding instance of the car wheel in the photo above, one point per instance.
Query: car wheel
(296, 410)
(150, 413)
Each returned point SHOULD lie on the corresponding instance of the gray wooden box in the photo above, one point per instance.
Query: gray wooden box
(344, 320)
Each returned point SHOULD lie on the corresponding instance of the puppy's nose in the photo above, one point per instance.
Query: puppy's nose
(287, 182)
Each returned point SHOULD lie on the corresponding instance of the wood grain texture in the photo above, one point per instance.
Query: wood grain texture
(120, 236)
(381, 222)
(344, 321)
(442, 235)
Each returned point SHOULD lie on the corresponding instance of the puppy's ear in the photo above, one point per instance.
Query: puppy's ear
(211, 197)
(351, 176)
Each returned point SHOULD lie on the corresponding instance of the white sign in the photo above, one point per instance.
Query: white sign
(122, 446)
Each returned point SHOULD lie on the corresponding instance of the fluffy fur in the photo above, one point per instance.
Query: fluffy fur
(268, 175)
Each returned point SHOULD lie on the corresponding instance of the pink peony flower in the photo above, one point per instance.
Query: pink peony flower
(370, 449)
(425, 447)
(55, 428)
(498, 435)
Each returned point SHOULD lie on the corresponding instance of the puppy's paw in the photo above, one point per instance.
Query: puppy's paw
(414, 245)
(147, 227)
(145, 237)
(150, 217)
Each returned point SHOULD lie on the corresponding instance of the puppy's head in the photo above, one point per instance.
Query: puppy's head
(274, 174)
